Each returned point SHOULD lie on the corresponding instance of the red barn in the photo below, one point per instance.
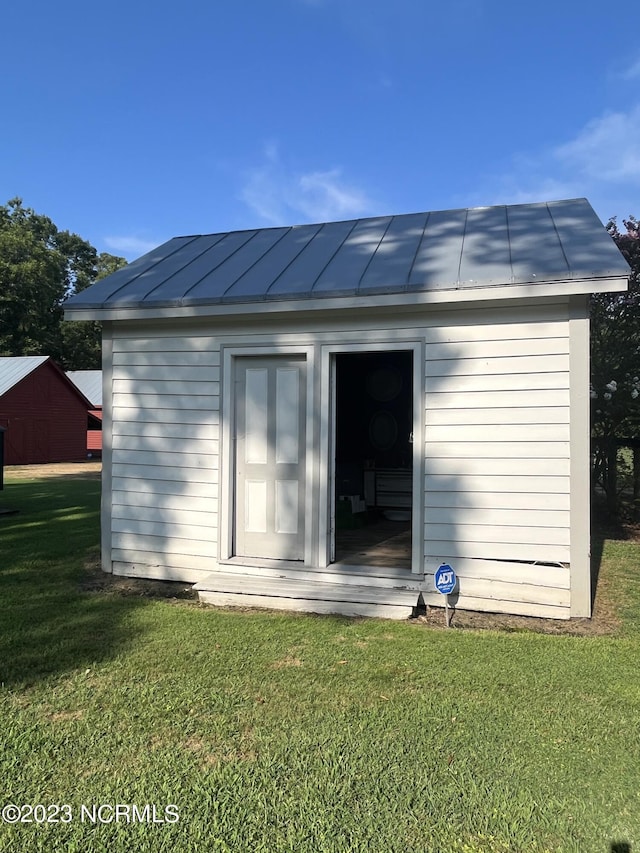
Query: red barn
(90, 384)
(44, 413)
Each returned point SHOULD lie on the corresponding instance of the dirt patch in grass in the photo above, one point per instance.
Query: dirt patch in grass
(88, 469)
(65, 716)
(95, 580)
(603, 622)
(286, 662)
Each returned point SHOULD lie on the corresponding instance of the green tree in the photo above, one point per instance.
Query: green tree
(615, 371)
(82, 340)
(40, 266)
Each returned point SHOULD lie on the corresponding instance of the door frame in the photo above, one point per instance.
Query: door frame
(327, 508)
(226, 505)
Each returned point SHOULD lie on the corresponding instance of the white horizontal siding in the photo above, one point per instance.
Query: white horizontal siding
(171, 513)
(164, 546)
(498, 382)
(132, 414)
(166, 387)
(504, 604)
(506, 587)
(508, 433)
(487, 465)
(180, 475)
(160, 445)
(161, 502)
(141, 563)
(497, 460)
(141, 487)
(487, 532)
(139, 375)
(552, 577)
(454, 547)
(500, 516)
(208, 431)
(522, 592)
(527, 415)
(165, 455)
(159, 570)
(489, 501)
(442, 399)
(158, 458)
(123, 361)
(489, 484)
(515, 607)
(502, 447)
(166, 525)
(143, 401)
(498, 324)
(510, 348)
(506, 365)
(164, 343)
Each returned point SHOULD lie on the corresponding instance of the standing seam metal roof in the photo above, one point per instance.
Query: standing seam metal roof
(13, 369)
(431, 251)
(89, 382)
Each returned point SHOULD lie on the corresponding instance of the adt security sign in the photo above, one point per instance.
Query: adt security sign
(445, 579)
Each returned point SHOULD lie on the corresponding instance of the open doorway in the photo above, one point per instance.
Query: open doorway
(373, 458)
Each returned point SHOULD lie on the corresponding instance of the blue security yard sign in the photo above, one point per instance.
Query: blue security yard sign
(445, 579)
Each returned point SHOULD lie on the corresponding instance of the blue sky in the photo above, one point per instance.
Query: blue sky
(132, 122)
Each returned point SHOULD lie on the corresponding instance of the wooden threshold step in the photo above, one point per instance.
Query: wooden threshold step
(305, 595)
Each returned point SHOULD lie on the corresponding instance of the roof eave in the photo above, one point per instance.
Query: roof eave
(453, 295)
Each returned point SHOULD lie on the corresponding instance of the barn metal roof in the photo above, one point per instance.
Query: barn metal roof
(13, 369)
(450, 250)
(89, 382)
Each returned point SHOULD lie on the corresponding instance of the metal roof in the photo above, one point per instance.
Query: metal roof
(89, 382)
(13, 369)
(451, 250)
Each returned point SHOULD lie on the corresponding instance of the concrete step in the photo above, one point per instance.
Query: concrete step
(336, 573)
(313, 596)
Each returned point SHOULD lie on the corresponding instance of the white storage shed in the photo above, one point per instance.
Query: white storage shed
(317, 417)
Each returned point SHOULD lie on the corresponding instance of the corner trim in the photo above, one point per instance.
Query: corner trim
(580, 451)
(107, 445)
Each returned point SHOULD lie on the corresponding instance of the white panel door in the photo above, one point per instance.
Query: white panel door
(270, 405)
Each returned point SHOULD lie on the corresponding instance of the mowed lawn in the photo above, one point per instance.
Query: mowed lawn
(261, 731)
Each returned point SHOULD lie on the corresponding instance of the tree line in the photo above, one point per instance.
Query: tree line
(615, 381)
(41, 266)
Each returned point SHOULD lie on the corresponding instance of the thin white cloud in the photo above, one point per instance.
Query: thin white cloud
(631, 72)
(129, 245)
(545, 190)
(281, 196)
(601, 162)
(325, 195)
(606, 148)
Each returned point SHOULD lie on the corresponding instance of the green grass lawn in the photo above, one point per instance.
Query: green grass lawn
(279, 732)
